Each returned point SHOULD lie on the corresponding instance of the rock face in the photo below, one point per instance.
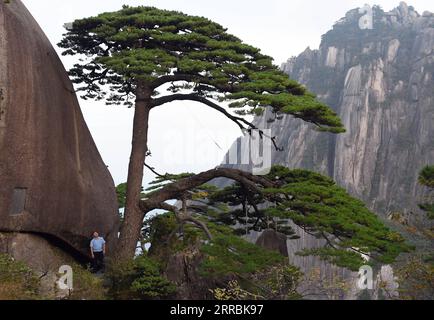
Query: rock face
(182, 270)
(274, 241)
(381, 83)
(53, 180)
(41, 256)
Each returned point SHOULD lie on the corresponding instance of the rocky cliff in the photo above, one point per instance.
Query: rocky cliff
(381, 83)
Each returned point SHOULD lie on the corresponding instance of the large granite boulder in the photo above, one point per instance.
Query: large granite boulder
(53, 180)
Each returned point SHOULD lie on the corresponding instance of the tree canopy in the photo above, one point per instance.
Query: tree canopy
(311, 201)
(148, 46)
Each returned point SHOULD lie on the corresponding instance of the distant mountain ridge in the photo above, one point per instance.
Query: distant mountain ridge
(381, 83)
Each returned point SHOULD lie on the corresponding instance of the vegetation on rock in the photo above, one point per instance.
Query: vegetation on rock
(231, 267)
(140, 278)
(311, 201)
(17, 281)
(416, 278)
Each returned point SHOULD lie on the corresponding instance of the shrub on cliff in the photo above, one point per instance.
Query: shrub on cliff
(17, 281)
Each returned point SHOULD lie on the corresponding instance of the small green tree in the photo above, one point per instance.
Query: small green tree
(426, 178)
(133, 53)
(140, 278)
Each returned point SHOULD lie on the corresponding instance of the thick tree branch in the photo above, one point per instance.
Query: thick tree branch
(176, 189)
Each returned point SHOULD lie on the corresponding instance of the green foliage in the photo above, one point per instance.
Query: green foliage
(226, 254)
(279, 282)
(86, 285)
(140, 278)
(121, 191)
(147, 47)
(416, 278)
(150, 283)
(426, 176)
(17, 281)
(163, 234)
(245, 213)
(311, 201)
(229, 254)
(254, 272)
(429, 209)
(161, 181)
(321, 208)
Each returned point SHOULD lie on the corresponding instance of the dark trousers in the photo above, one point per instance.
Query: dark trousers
(98, 261)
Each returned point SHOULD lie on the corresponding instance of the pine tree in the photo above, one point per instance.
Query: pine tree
(129, 55)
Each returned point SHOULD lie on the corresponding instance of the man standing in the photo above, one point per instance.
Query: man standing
(97, 250)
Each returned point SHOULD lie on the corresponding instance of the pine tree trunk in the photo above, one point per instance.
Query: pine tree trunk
(133, 216)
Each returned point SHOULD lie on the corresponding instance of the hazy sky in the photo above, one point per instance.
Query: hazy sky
(186, 136)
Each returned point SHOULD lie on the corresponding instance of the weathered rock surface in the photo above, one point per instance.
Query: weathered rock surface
(381, 83)
(274, 241)
(43, 257)
(183, 270)
(53, 180)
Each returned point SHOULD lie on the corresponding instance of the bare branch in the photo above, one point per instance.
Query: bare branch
(152, 169)
(241, 122)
